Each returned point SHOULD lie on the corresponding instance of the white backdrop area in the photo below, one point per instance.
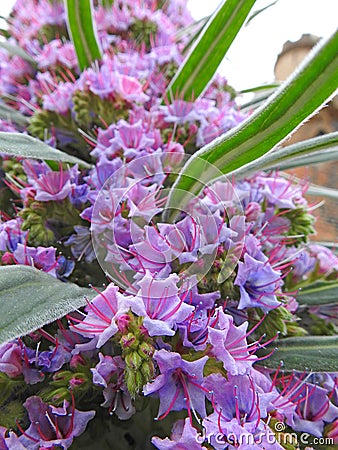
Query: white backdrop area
(251, 58)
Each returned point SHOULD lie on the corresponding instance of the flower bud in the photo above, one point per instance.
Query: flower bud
(133, 360)
(129, 341)
(134, 381)
(147, 369)
(146, 350)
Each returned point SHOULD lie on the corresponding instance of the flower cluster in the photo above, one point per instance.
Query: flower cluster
(186, 312)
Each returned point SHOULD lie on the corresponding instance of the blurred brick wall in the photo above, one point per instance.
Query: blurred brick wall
(325, 121)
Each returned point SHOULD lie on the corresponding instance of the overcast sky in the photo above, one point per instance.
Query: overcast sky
(251, 58)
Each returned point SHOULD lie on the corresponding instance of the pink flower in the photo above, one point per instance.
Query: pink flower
(10, 360)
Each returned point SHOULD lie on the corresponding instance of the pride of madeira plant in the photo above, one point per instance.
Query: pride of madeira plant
(158, 283)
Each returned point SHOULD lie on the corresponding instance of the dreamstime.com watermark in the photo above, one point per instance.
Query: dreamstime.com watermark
(267, 437)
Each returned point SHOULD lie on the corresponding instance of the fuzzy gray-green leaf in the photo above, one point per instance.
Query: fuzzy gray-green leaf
(29, 299)
(12, 115)
(319, 149)
(306, 353)
(15, 50)
(320, 293)
(24, 146)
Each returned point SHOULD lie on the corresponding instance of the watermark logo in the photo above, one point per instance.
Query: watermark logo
(266, 436)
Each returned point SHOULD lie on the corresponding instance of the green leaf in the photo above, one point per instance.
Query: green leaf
(259, 11)
(12, 115)
(30, 299)
(299, 97)
(5, 33)
(322, 191)
(330, 154)
(15, 50)
(80, 25)
(306, 353)
(192, 31)
(209, 49)
(313, 189)
(262, 87)
(319, 149)
(257, 100)
(24, 146)
(320, 293)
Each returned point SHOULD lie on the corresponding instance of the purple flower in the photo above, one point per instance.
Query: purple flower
(179, 385)
(81, 244)
(47, 360)
(239, 405)
(10, 359)
(153, 251)
(133, 138)
(39, 257)
(229, 344)
(109, 373)
(142, 201)
(11, 234)
(104, 168)
(327, 260)
(279, 191)
(180, 112)
(60, 100)
(158, 302)
(314, 408)
(194, 331)
(184, 437)
(51, 425)
(64, 267)
(201, 302)
(101, 81)
(50, 185)
(258, 283)
(99, 323)
(130, 89)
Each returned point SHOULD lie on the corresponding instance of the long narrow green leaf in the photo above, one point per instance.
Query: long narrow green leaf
(17, 51)
(259, 11)
(309, 353)
(29, 299)
(12, 115)
(320, 293)
(261, 87)
(298, 98)
(313, 189)
(313, 158)
(193, 33)
(24, 146)
(209, 49)
(5, 33)
(257, 101)
(322, 191)
(81, 29)
(319, 149)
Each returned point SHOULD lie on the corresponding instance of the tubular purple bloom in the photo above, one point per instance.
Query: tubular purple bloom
(100, 322)
(258, 283)
(230, 346)
(53, 426)
(179, 385)
(158, 302)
